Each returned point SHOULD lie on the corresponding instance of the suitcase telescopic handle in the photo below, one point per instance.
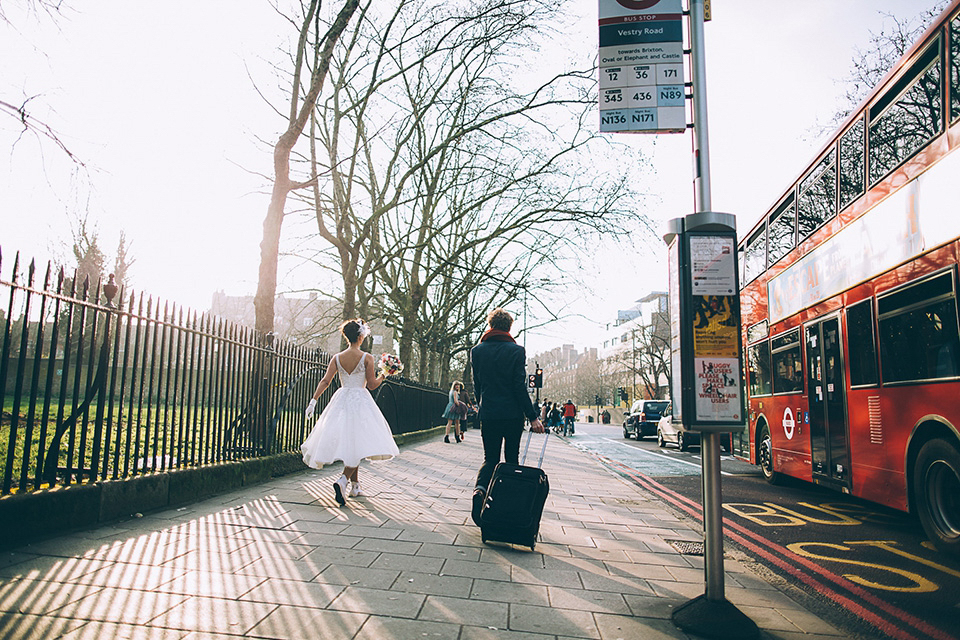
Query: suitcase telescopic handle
(546, 438)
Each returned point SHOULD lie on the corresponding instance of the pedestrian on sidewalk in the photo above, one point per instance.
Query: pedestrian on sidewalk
(569, 416)
(456, 410)
(554, 419)
(351, 428)
(500, 384)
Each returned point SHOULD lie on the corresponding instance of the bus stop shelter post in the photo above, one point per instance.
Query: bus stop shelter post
(710, 615)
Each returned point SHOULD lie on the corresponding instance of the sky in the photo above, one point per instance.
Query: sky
(160, 102)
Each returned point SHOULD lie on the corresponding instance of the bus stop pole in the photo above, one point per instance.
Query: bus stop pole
(710, 615)
(712, 517)
(700, 128)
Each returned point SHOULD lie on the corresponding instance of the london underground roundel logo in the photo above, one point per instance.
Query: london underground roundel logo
(637, 5)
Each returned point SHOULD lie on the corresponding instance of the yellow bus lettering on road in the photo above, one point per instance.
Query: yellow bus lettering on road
(920, 584)
(838, 518)
(889, 545)
(769, 514)
(765, 516)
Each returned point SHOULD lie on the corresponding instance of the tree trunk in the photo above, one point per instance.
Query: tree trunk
(263, 302)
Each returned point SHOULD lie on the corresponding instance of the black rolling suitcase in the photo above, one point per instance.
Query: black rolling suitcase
(515, 498)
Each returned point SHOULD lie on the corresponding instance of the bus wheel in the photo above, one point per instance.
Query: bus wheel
(765, 457)
(936, 493)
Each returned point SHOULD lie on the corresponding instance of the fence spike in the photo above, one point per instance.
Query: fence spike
(31, 272)
(16, 267)
(46, 277)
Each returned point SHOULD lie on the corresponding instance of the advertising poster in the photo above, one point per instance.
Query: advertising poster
(717, 382)
(714, 327)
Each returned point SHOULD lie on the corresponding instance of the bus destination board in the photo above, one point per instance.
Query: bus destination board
(641, 67)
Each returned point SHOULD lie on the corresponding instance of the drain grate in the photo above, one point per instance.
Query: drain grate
(686, 547)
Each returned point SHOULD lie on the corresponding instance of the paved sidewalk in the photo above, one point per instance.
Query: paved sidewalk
(282, 560)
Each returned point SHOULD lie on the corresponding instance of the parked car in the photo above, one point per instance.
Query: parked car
(675, 433)
(642, 418)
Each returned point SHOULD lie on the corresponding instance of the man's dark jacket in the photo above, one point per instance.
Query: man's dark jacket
(500, 381)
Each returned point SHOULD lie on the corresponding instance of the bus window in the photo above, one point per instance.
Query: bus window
(919, 337)
(955, 69)
(755, 256)
(782, 233)
(852, 163)
(817, 201)
(787, 372)
(759, 368)
(861, 346)
(907, 116)
(757, 331)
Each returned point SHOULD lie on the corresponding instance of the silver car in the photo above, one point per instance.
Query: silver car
(673, 432)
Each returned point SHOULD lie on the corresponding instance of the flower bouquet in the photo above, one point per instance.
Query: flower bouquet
(390, 364)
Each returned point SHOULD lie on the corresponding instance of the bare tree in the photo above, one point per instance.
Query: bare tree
(301, 108)
(90, 258)
(20, 109)
(432, 160)
(885, 48)
(91, 261)
(123, 261)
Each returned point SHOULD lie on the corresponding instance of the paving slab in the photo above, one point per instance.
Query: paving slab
(284, 560)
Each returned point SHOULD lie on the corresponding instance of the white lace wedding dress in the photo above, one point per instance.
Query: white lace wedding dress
(351, 427)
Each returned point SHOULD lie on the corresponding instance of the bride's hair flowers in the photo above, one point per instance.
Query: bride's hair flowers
(390, 364)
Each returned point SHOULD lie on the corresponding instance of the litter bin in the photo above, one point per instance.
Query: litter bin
(589, 418)
(606, 416)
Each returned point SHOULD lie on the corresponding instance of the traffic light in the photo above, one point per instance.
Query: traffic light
(532, 381)
(623, 394)
(597, 399)
(538, 378)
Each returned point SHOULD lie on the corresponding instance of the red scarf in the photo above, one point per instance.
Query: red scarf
(497, 335)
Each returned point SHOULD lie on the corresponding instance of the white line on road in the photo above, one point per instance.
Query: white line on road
(660, 455)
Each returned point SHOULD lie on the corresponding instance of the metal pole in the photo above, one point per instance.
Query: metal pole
(700, 128)
(712, 516)
(709, 615)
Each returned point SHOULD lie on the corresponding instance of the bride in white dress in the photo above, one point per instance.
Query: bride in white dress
(351, 427)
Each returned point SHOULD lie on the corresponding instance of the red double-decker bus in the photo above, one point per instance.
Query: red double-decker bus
(849, 301)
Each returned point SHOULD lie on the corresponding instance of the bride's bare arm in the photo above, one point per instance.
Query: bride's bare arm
(327, 379)
(373, 381)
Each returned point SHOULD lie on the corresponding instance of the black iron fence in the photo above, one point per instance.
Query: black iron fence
(97, 384)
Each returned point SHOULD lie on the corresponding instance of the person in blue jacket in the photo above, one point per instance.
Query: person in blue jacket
(500, 386)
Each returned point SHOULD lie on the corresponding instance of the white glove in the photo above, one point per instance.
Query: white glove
(311, 407)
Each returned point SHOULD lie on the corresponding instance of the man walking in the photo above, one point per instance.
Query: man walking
(569, 415)
(499, 380)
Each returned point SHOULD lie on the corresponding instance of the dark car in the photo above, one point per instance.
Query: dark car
(643, 417)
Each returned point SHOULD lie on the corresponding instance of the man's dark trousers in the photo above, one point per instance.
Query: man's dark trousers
(496, 434)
